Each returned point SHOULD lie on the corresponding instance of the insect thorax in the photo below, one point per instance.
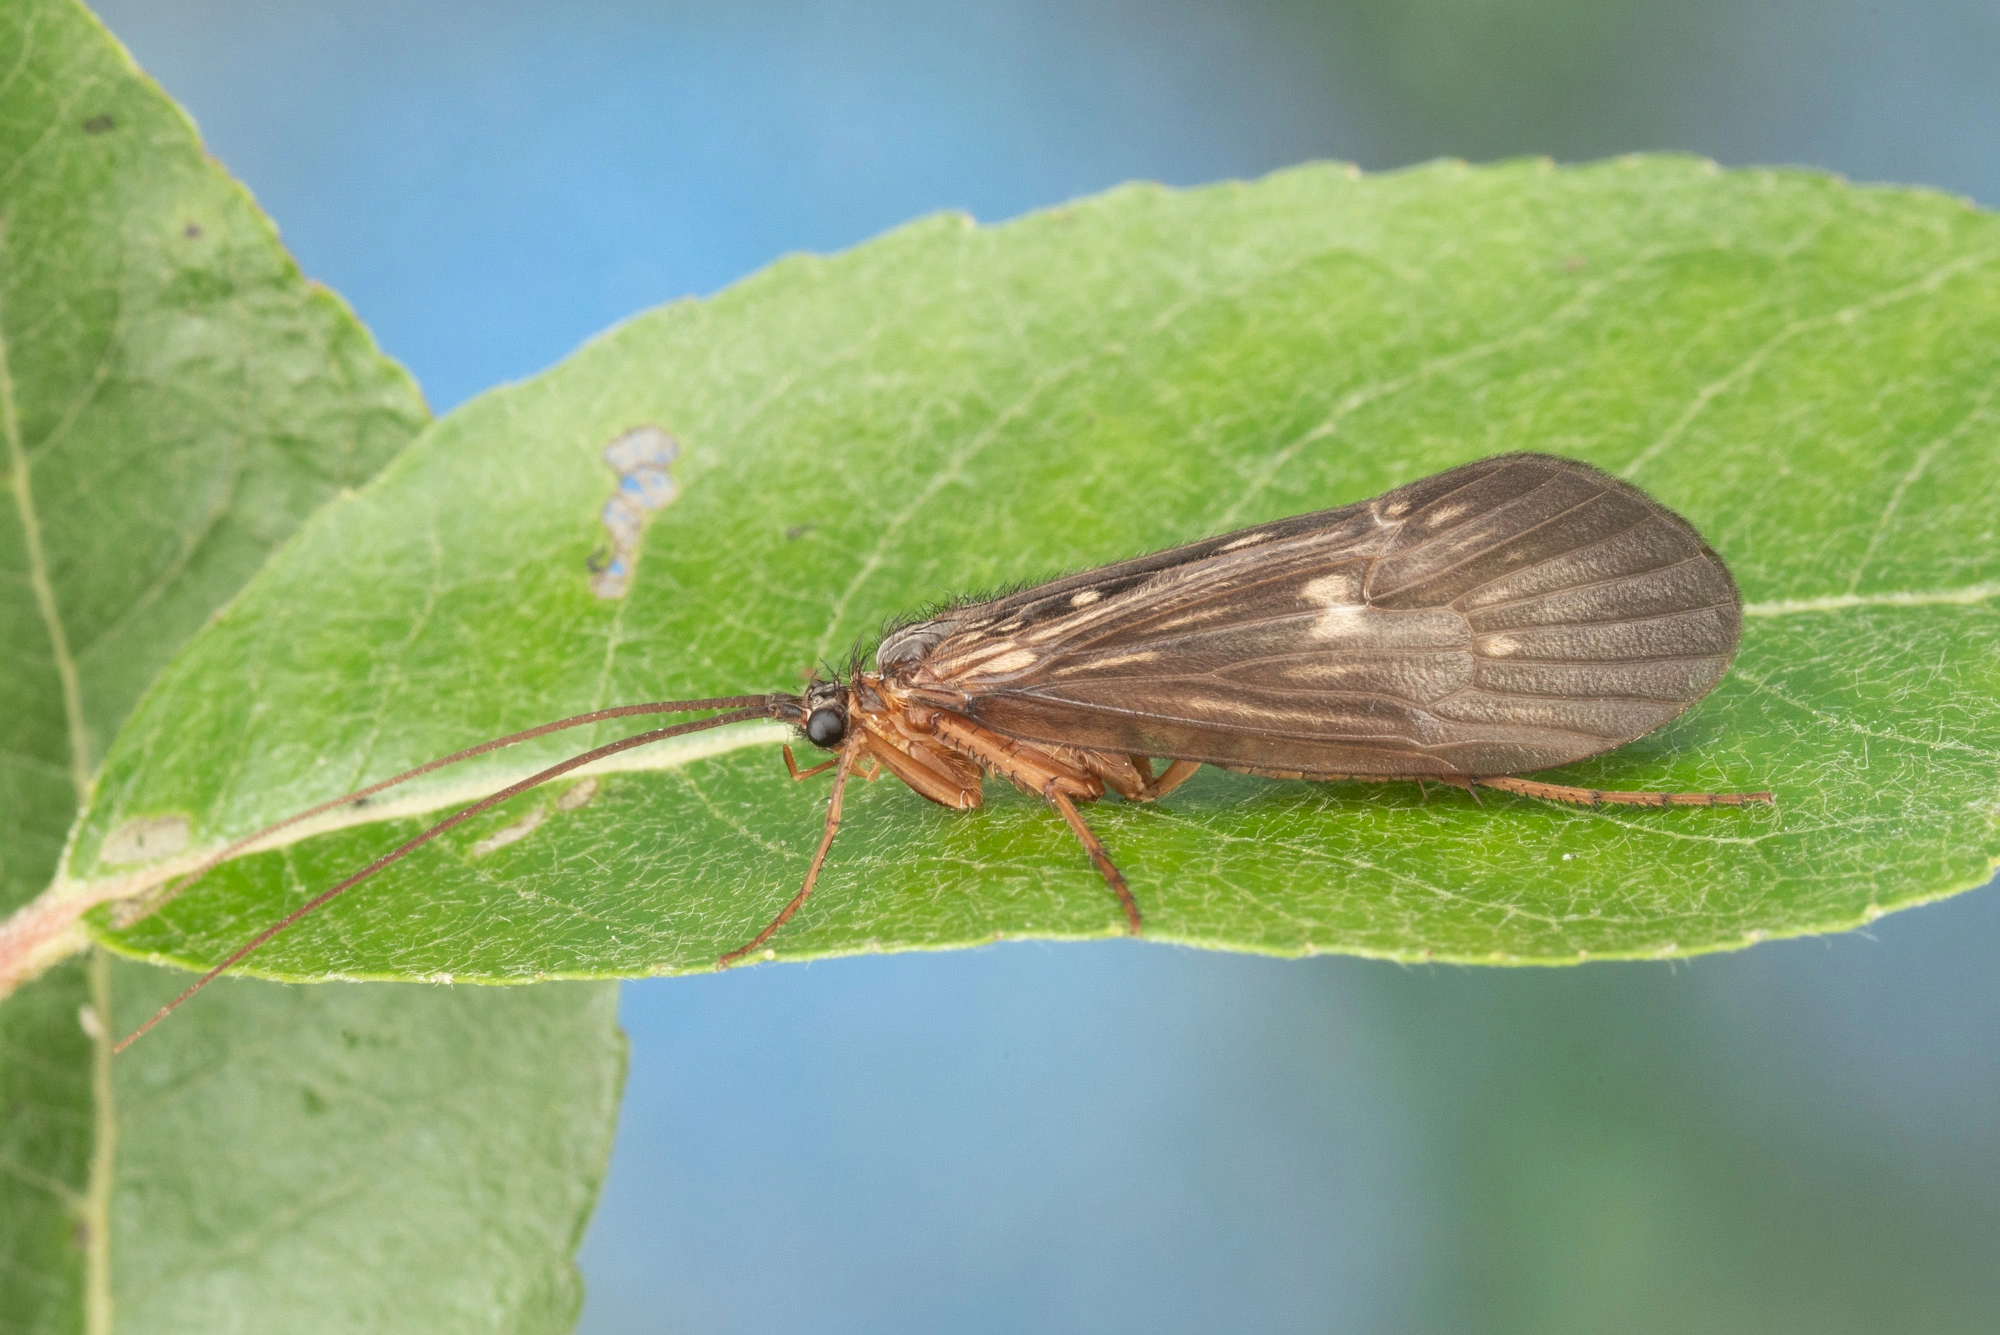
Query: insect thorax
(909, 644)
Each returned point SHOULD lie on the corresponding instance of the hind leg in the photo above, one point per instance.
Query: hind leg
(1131, 777)
(1592, 797)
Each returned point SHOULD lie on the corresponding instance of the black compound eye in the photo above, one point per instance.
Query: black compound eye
(825, 727)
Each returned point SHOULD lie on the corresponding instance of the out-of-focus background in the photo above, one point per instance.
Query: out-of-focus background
(1803, 1137)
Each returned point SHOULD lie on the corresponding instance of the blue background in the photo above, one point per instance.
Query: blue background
(1124, 1137)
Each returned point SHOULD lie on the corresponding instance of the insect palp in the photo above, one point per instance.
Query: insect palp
(792, 766)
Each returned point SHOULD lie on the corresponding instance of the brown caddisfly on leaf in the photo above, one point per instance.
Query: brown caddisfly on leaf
(1506, 616)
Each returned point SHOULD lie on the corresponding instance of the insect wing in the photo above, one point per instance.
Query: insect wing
(1505, 616)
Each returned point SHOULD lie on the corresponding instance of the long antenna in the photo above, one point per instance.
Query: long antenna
(760, 709)
(132, 911)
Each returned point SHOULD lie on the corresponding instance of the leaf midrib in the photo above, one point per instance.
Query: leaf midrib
(677, 757)
(20, 482)
(1836, 602)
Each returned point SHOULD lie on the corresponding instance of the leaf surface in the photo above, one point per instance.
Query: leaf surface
(356, 1158)
(174, 399)
(1803, 368)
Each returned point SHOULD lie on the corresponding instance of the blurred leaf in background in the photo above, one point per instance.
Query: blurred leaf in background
(176, 399)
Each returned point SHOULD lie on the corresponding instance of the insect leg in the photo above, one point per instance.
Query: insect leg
(1591, 797)
(1171, 778)
(1058, 779)
(798, 774)
(857, 742)
(1127, 776)
(934, 772)
(1471, 786)
(1095, 847)
(1132, 778)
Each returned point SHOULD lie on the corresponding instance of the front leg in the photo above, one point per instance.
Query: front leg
(850, 752)
(934, 771)
(939, 774)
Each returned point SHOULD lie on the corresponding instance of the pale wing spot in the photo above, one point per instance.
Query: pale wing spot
(1086, 598)
(1500, 646)
(1339, 590)
(1011, 662)
(1349, 626)
(1446, 513)
(1066, 624)
(1120, 660)
(1247, 540)
(1200, 616)
(1396, 511)
(1343, 621)
(978, 651)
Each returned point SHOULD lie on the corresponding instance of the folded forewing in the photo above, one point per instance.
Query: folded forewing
(1505, 616)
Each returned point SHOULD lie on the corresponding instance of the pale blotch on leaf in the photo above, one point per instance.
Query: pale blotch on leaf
(640, 458)
(512, 834)
(146, 839)
(573, 797)
(576, 796)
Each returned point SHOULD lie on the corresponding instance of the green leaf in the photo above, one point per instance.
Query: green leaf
(46, 1138)
(342, 1159)
(175, 398)
(1803, 368)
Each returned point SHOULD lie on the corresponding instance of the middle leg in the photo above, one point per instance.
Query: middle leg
(1100, 856)
(1061, 776)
